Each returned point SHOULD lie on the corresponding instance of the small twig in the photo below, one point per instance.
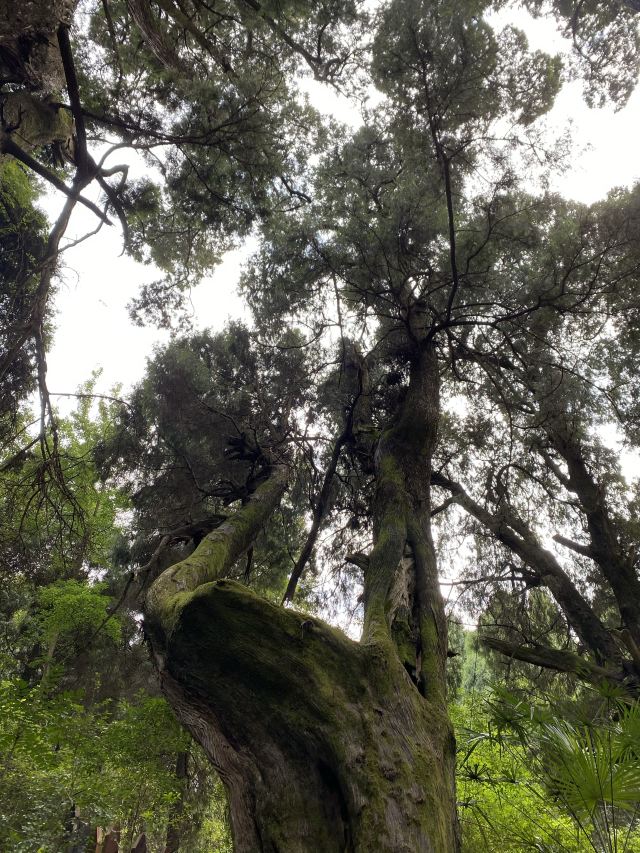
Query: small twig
(86, 395)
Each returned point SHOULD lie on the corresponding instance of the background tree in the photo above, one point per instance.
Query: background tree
(553, 475)
(604, 41)
(86, 741)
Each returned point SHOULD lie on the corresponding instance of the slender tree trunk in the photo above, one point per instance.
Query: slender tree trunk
(176, 815)
(324, 745)
(48, 661)
(77, 832)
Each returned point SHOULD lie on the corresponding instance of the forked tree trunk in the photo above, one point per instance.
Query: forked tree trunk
(324, 745)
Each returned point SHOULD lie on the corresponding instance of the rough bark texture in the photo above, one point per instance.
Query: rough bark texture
(30, 60)
(29, 52)
(324, 744)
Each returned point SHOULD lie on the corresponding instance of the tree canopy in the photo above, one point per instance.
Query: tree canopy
(438, 374)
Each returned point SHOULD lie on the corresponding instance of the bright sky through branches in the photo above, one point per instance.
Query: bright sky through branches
(93, 327)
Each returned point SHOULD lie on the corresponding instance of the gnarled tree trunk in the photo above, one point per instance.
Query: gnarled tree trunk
(324, 744)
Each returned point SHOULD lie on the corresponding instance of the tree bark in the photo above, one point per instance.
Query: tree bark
(559, 660)
(324, 744)
(176, 815)
(29, 54)
(544, 566)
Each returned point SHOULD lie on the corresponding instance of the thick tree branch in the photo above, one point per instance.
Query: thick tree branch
(359, 560)
(36, 317)
(81, 154)
(174, 12)
(561, 661)
(584, 550)
(8, 146)
(313, 62)
(140, 11)
(19, 455)
(545, 566)
(443, 506)
(216, 554)
(615, 564)
(140, 579)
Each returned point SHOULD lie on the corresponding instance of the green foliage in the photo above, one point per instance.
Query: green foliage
(534, 780)
(586, 759)
(213, 86)
(73, 607)
(415, 229)
(548, 771)
(503, 805)
(81, 729)
(605, 44)
(57, 518)
(211, 411)
(115, 764)
(22, 244)
(448, 59)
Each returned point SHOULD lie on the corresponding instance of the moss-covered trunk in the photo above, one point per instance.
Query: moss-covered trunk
(323, 743)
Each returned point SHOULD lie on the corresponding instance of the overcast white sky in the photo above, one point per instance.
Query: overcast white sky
(93, 329)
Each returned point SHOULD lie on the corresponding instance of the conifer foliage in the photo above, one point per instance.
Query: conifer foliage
(438, 351)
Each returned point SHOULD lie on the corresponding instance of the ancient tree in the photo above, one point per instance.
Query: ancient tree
(403, 265)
